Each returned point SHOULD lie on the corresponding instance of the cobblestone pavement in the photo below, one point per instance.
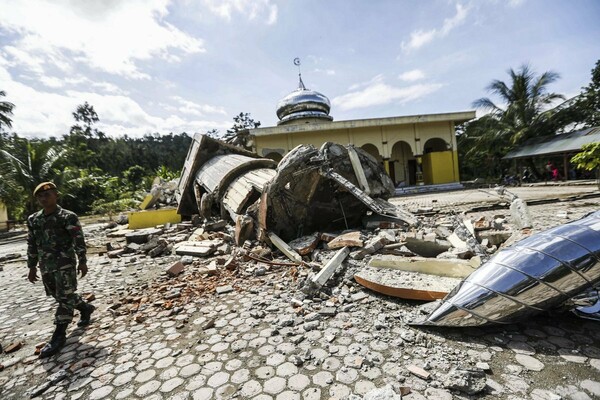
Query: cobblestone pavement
(258, 343)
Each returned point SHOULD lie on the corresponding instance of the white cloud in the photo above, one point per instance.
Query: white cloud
(412, 75)
(253, 9)
(515, 3)
(379, 93)
(110, 36)
(41, 114)
(329, 72)
(420, 37)
(192, 108)
(370, 82)
(52, 82)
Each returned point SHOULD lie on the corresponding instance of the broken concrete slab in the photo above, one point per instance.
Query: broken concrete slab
(306, 244)
(224, 289)
(405, 284)
(493, 237)
(196, 251)
(385, 393)
(244, 229)
(426, 248)
(433, 266)
(371, 247)
(141, 236)
(324, 274)
(467, 381)
(519, 211)
(284, 248)
(175, 269)
(359, 171)
(349, 239)
(457, 242)
(419, 372)
(316, 282)
(215, 226)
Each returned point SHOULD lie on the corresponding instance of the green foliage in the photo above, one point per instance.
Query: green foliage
(243, 121)
(6, 110)
(101, 206)
(134, 176)
(588, 102)
(238, 133)
(28, 163)
(93, 172)
(589, 159)
(79, 188)
(166, 173)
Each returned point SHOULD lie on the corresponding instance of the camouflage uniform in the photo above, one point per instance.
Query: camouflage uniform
(53, 241)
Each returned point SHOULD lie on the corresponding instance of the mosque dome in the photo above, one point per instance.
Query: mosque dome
(303, 103)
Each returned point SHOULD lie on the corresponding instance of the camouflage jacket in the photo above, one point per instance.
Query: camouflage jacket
(54, 239)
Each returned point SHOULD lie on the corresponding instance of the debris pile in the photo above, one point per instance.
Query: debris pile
(162, 194)
(321, 219)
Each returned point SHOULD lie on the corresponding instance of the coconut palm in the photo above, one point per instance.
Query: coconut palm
(526, 110)
(28, 163)
(5, 112)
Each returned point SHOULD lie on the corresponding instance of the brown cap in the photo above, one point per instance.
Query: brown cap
(42, 187)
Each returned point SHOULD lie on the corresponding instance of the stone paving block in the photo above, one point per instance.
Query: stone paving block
(274, 385)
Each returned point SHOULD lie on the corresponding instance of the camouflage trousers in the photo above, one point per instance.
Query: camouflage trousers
(61, 283)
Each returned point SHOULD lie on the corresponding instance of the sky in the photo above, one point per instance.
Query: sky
(191, 65)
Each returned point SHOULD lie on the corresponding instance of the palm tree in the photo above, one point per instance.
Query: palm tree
(526, 110)
(5, 112)
(28, 163)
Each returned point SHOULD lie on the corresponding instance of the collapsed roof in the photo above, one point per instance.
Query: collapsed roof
(333, 187)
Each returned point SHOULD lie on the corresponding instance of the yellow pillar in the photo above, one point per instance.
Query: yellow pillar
(386, 165)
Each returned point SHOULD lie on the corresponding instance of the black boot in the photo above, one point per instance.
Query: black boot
(56, 343)
(86, 313)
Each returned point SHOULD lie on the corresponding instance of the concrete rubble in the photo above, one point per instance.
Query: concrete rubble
(162, 194)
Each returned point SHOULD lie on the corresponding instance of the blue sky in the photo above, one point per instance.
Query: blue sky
(172, 66)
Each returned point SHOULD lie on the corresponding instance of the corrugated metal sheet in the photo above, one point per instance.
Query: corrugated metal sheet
(563, 143)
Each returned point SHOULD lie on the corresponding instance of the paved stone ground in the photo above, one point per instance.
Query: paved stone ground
(254, 343)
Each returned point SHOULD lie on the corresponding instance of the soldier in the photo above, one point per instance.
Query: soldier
(55, 237)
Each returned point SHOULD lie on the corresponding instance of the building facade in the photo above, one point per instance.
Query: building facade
(414, 150)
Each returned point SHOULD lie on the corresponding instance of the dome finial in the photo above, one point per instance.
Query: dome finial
(303, 105)
(300, 83)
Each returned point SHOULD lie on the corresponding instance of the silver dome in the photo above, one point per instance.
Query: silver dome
(303, 103)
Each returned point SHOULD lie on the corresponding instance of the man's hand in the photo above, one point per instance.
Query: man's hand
(32, 275)
(83, 269)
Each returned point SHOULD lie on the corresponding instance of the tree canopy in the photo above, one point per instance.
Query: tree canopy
(92, 170)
